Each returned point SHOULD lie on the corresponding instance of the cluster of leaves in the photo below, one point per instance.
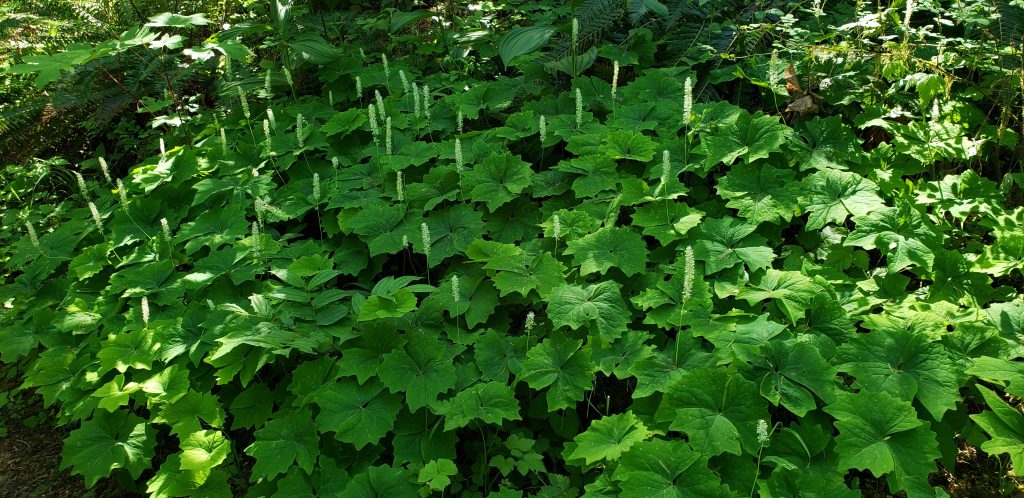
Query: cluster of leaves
(403, 285)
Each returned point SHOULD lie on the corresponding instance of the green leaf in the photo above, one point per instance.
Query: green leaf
(437, 474)
(382, 481)
(489, 402)
(668, 469)
(905, 364)
(626, 144)
(717, 409)
(109, 441)
(609, 437)
(451, 232)
(792, 291)
(289, 438)
(727, 242)
(422, 370)
(523, 40)
(400, 19)
(561, 365)
(1005, 425)
(204, 450)
(753, 137)
(498, 179)
(345, 122)
(577, 306)
(666, 220)
(357, 414)
(609, 247)
(760, 193)
(830, 196)
(881, 434)
(903, 234)
(831, 145)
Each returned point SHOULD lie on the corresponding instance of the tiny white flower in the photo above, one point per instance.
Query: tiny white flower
(556, 226)
(96, 216)
(387, 136)
(415, 100)
(426, 102)
(399, 187)
(579, 108)
(530, 320)
(387, 67)
(762, 432)
(32, 237)
(105, 169)
(288, 77)
(687, 101)
(405, 81)
(122, 193)
(458, 156)
(458, 122)
(316, 188)
(425, 234)
(166, 227)
(256, 246)
(359, 86)
(223, 141)
(266, 84)
(299, 132)
(374, 128)
(689, 269)
(543, 125)
(575, 32)
(272, 119)
(81, 184)
(209, 304)
(456, 292)
(615, 79)
(245, 103)
(380, 104)
(145, 310)
(163, 147)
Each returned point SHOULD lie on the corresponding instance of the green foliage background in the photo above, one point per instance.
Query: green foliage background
(364, 250)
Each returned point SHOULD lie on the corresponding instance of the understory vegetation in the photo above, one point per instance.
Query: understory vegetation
(603, 248)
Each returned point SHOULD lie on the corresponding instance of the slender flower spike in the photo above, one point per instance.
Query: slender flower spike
(543, 125)
(122, 193)
(425, 234)
(575, 32)
(615, 79)
(288, 77)
(32, 237)
(579, 108)
(530, 321)
(415, 100)
(105, 169)
(458, 122)
(299, 132)
(374, 128)
(456, 291)
(316, 188)
(426, 102)
(266, 85)
(666, 166)
(245, 103)
(96, 216)
(223, 142)
(405, 241)
(359, 86)
(260, 207)
(687, 101)
(166, 227)
(458, 155)
(908, 14)
(272, 119)
(405, 81)
(380, 104)
(145, 311)
(163, 146)
(556, 226)
(81, 184)
(762, 432)
(209, 304)
(387, 68)
(387, 136)
(688, 275)
(936, 109)
(266, 132)
(256, 239)
(400, 187)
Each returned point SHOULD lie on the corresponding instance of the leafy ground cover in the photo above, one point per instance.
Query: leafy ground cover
(593, 274)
